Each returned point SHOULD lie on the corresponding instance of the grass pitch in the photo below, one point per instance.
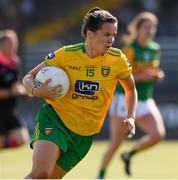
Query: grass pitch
(160, 162)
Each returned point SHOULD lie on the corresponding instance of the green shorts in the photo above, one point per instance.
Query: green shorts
(73, 146)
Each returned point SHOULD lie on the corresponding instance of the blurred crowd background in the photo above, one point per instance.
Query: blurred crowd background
(45, 25)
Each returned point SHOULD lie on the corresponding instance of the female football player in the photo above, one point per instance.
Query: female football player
(65, 127)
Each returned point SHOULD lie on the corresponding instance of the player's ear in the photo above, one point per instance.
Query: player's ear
(90, 34)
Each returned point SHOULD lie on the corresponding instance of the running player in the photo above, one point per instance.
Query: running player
(144, 55)
(65, 127)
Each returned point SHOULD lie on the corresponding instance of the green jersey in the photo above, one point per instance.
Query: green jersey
(141, 59)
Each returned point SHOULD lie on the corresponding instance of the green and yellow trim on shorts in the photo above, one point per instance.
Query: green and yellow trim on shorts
(50, 127)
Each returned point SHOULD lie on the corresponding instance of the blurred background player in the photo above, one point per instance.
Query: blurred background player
(13, 131)
(144, 55)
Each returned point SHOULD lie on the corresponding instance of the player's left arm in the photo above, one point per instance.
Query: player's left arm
(42, 91)
(131, 103)
(29, 79)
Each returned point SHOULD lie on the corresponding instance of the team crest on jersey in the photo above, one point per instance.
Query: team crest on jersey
(51, 55)
(105, 71)
(48, 131)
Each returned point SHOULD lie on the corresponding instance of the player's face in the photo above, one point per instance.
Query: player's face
(147, 30)
(11, 46)
(104, 37)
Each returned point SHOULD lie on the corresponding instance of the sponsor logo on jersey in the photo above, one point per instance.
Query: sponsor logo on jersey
(73, 67)
(105, 71)
(51, 55)
(146, 56)
(76, 96)
(86, 87)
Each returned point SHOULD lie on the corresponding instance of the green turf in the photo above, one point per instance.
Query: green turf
(160, 162)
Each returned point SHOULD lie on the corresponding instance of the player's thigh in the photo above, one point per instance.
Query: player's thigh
(116, 128)
(45, 154)
(149, 118)
(150, 125)
(58, 173)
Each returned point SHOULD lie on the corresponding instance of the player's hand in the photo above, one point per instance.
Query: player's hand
(46, 92)
(160, 74)
(152, 74)
(129, 129)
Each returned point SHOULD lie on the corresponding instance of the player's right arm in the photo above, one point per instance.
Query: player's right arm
(42, 91)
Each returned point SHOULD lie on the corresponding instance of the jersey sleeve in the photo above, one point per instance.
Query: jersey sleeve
(125, 66)
(129, 52)
(54, 58)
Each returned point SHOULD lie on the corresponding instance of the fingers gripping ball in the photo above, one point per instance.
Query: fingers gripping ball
(57, 76)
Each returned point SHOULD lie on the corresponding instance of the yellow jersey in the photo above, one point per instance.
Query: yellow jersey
(92, 84)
